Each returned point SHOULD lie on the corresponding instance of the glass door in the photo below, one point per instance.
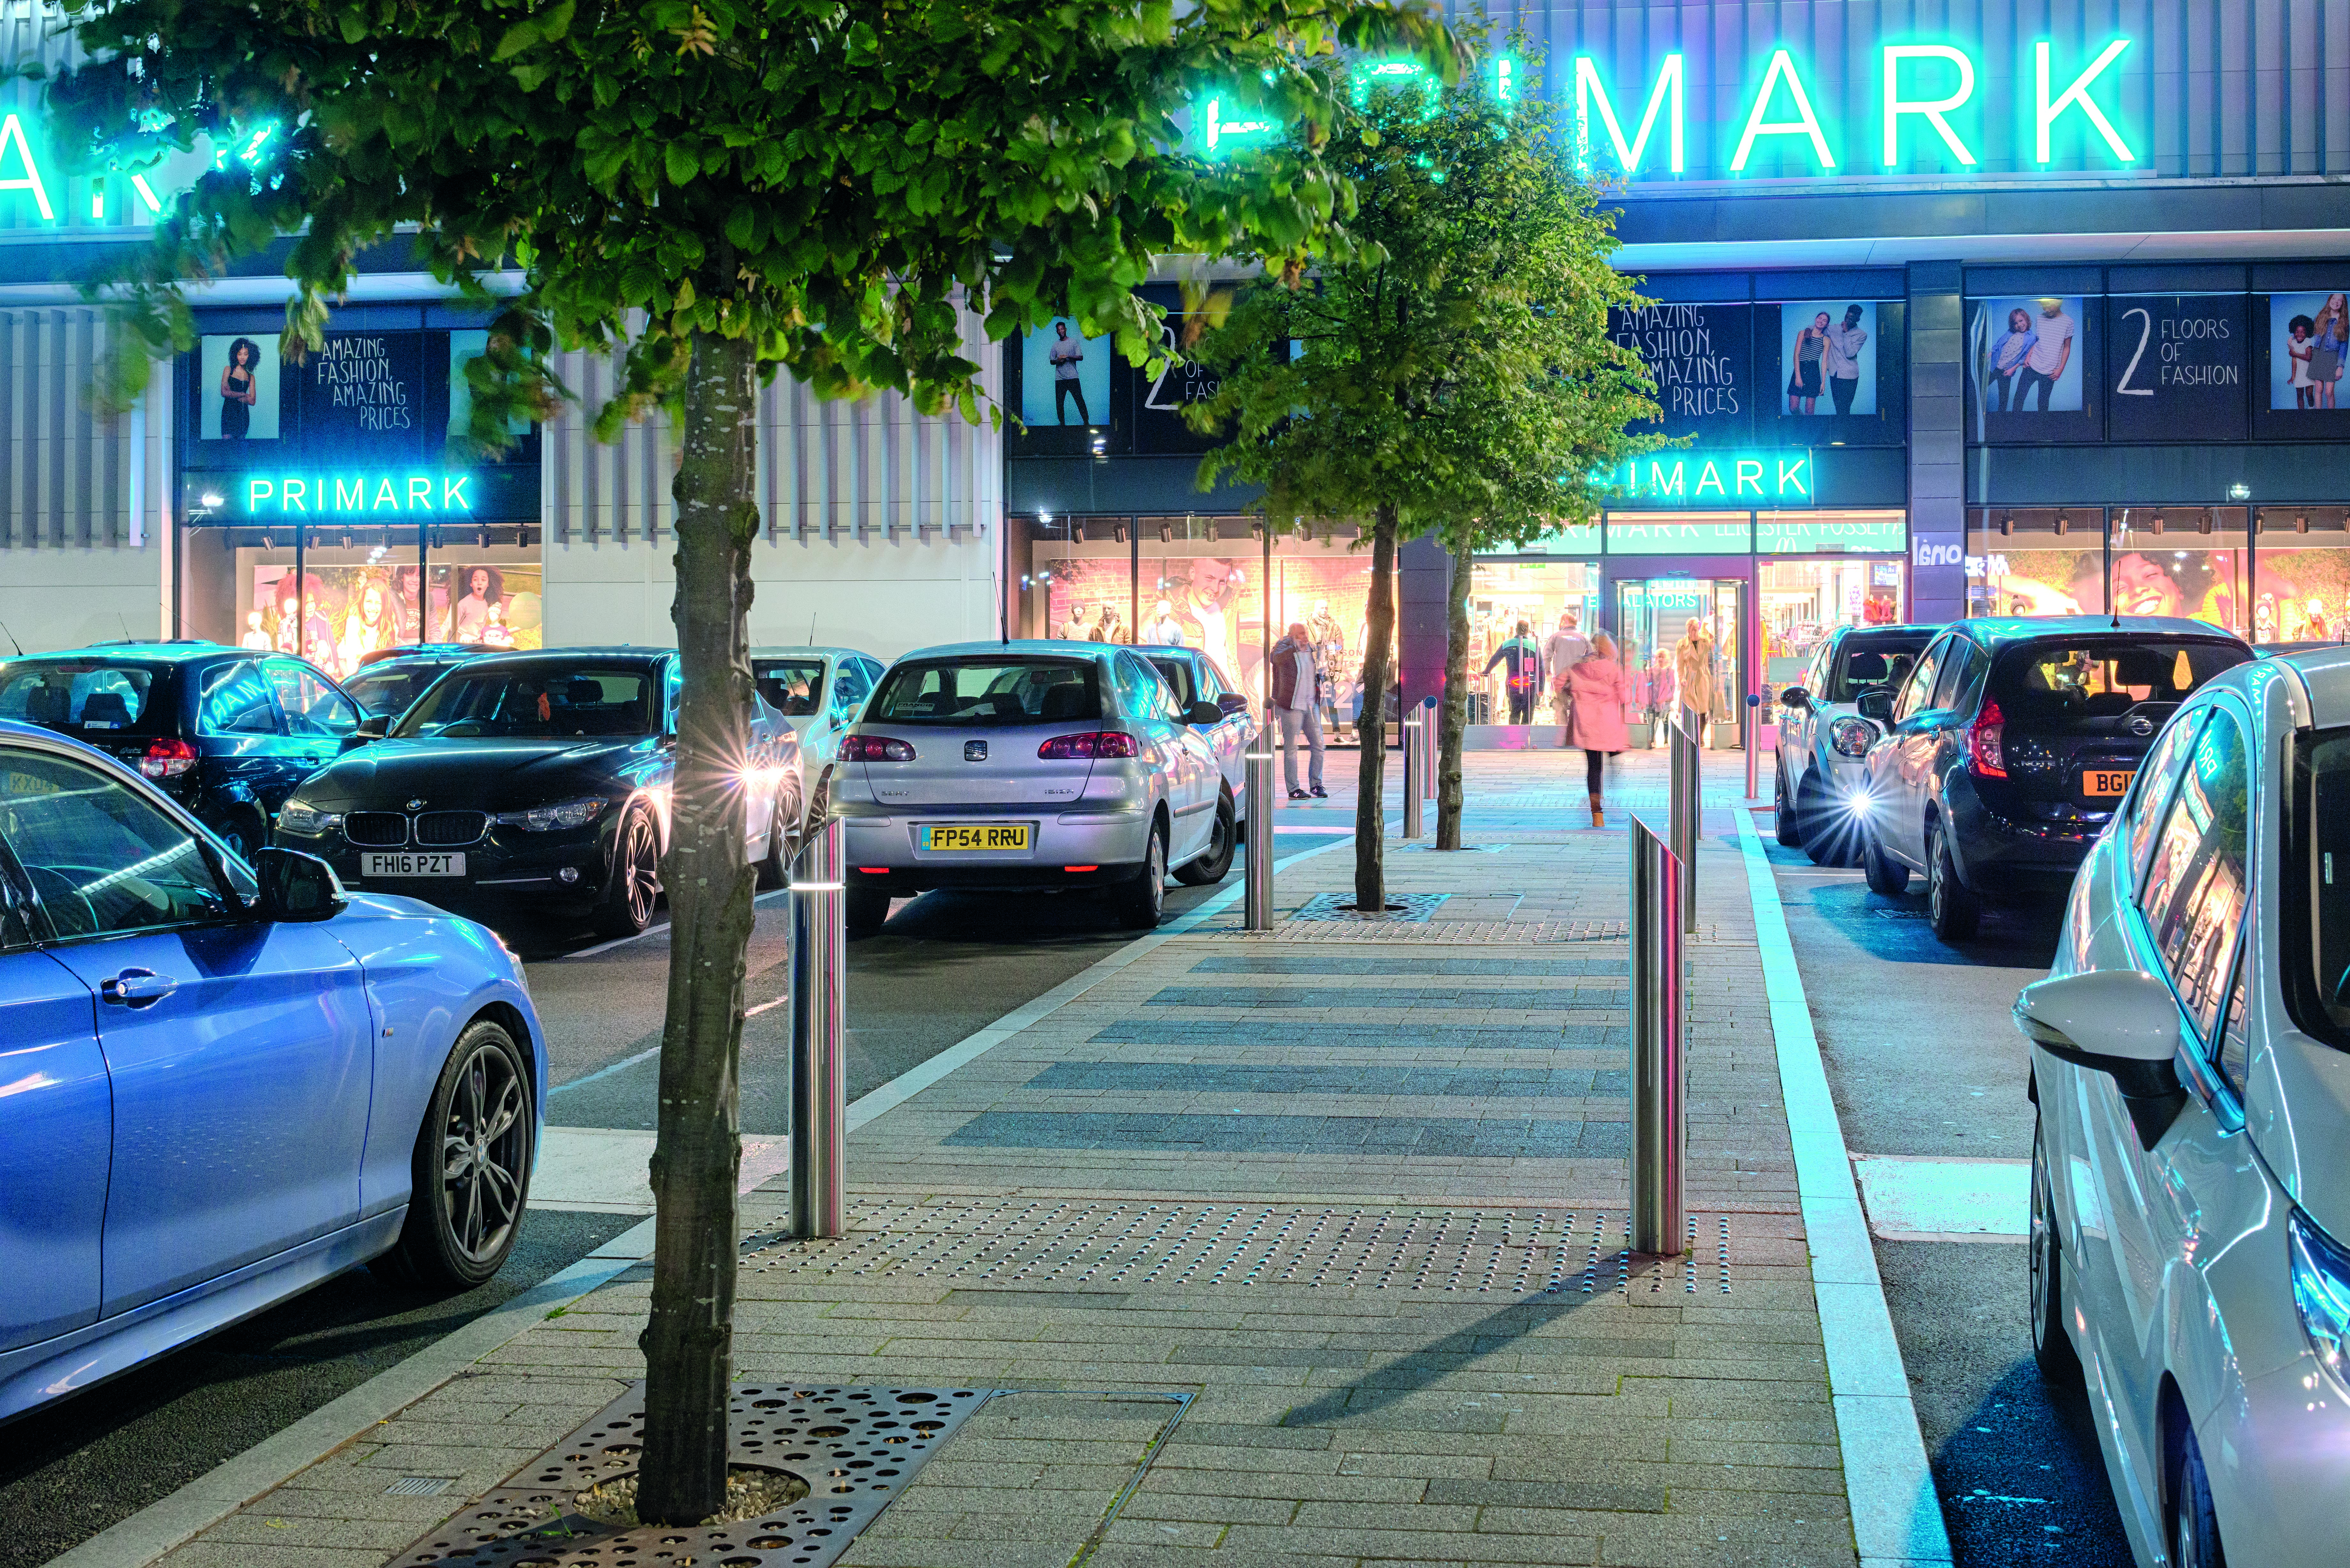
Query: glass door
(1686, 637)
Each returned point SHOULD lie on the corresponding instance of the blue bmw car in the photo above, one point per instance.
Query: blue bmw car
(223, 1084)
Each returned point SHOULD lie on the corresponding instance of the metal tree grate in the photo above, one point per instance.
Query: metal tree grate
(1131, 1245)
(855, 1448)
(1415, 908)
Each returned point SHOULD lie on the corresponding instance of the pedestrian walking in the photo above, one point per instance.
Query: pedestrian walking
(1523, 674)
(1298, 682)
(1599, 691)
(1693, 675)
(1659, 696)
(1560, 651)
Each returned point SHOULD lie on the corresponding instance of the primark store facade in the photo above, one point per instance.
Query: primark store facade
(1982, 306)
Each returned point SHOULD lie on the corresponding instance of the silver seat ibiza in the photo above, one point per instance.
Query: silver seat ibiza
(1030, 766)
(2190, 1200)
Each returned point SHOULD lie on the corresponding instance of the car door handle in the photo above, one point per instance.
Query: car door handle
(137, 987)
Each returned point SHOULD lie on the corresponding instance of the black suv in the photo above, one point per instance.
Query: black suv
(2010, 745)
(225, 732)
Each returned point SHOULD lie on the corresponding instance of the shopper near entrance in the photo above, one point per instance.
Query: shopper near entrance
(1298, 680)
(1523, 675)
(1844, 343)
(1693, 678)
(1599, 691)
(1658, 695)
(1560, 651)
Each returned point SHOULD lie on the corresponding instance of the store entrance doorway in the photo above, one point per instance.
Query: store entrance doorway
(1654, 617)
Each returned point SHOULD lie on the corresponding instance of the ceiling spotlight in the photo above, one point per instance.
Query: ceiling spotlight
(2064, 524)
(1165, 532)
(1256, 530)
(484, 536)
(1100, 444)
(1120, 532)
(2301, 523)
(2155, 526)
(2260, 521)
(2006, 523)
(2203, 521)
(346, 538)
(522, 538)
(267, 543)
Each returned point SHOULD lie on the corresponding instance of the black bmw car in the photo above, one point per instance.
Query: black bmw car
(534, 783)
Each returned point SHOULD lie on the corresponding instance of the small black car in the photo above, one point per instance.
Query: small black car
(389, 680)
(2008, 748)
(228, 732)
(534, 781)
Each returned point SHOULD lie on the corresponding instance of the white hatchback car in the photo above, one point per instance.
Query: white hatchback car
(1819, 779)
(819, 691)
(2191, 1197)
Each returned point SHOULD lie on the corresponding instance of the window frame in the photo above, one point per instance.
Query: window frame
(1926, 673)
(302, 669)
(2143, 926)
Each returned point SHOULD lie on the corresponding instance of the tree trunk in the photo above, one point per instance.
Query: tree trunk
(689, 1343)
(1455, 721)
(1379, 636)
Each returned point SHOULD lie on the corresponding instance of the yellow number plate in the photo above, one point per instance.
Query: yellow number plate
(976, 836)
(2107, 783)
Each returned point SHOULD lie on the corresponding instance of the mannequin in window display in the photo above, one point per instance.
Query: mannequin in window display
(2315, 629)
(1161, 630)
(1078, 627)
(295, 638)
(2264, 619)
(372, 625)
(255, 636)
(1330, 645)
(1109, 628)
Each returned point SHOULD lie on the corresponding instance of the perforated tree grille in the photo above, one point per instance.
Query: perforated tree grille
(855, 1448)
(1138, 1244)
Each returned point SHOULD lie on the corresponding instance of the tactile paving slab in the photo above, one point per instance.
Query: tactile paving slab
(1189, 1246)
(855, 1448)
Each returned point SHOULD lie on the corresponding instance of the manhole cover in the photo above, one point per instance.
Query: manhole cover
(855, 1448)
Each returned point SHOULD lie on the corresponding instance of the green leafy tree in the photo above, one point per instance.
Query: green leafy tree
(1453, 374)
(714, 190)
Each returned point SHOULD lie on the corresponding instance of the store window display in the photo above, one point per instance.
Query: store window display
(2044, 561)
(2182, 561)
(2302, 582)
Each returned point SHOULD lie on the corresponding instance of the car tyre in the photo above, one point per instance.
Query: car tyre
(1953, 912)
(627, 908)
(1142, 898)
(471, 1170)
(2195, 1525)
(1784, 821)
(1210, 867)
(244, 830)
(783, 846)
(865, 909)
(2052, 1347)
(1886, 874)
(1825, 839)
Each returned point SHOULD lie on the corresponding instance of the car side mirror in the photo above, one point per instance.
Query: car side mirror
(1204, 713)
(1794, 697)
(297, 888)
(1877, 703)
(373, 728)
(1232, 702)
(2120, 1022)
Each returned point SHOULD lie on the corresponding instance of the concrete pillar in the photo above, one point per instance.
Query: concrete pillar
(1423, 578)
(1938, 585)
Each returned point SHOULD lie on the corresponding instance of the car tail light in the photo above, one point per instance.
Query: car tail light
(1073, 870)
(168, 759)
(1098, 743)
(876, 749)
(1986, 751)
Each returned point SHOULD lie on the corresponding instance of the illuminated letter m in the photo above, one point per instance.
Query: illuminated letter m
(1587, 86)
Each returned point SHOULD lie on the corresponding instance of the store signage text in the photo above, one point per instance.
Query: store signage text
(373, 494)
(1702, 476)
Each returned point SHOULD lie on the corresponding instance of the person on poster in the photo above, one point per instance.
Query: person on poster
(2301, 346)
(240, 389)
(484, 587)
(1209, 598)
(1162, 630)
(1843, 359)
(2007, 359)
(293, 636)
(2043, 367)
(2329, 337)
(373, 625)
(1811, 349)
(1067, 355)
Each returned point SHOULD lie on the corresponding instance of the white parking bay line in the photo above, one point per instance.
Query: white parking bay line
(1896, 1515)
(1914, 1198)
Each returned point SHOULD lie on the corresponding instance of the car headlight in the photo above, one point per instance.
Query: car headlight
(561, 814)
(300, 817)
(1852, 737)
(2320, 1291)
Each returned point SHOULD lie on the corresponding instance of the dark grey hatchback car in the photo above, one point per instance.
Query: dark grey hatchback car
(2008, 748)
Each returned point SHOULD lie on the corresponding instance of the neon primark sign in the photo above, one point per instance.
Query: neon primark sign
(1701, 478)
(370, 493)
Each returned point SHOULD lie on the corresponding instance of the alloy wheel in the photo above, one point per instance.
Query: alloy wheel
(643, 873)
(483, 1148)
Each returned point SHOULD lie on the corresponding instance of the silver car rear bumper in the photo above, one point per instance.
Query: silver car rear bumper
(1102, 842)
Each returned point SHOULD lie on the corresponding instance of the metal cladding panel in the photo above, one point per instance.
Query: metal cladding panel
(869, 470)
(2205, 89)
(71, 478)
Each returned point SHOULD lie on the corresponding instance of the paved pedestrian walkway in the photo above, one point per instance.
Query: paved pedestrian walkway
(1302, 1248)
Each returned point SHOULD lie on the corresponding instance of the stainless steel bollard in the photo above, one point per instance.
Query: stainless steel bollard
(1258, 866)
(1430, 737)
(1660, 1087)
(1682, 822)
(820, 1041)
(1753, 738)
(1415, 745)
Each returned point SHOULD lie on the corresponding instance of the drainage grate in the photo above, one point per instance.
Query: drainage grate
(1113, 1246)
(1416, 908)
(855, 1448)
(420, 1485)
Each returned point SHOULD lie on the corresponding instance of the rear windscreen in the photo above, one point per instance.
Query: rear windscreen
(981, 692)
(1858, 669)
(793, 687)
(2102, 677)
(79, 694)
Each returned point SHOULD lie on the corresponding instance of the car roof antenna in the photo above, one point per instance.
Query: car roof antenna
(12, 639)
(811, 641)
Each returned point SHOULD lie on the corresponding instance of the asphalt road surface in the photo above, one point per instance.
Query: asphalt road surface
(945, 966)
(1923, 1059)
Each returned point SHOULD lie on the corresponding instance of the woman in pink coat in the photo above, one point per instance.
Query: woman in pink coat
(1598, 690)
